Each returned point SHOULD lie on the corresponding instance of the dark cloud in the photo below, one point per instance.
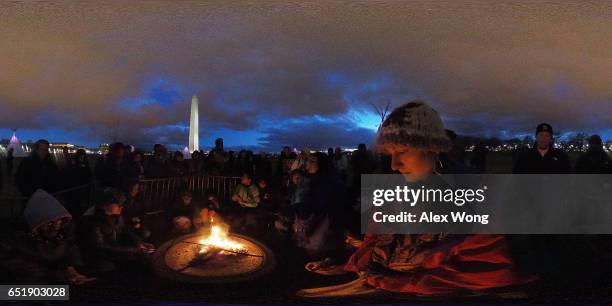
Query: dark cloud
(316, 135)
(486, 66)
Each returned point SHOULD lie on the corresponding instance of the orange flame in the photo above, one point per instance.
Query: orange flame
(218, 238)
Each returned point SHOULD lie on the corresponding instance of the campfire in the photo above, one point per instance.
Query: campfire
(218, 241)
(214, 255)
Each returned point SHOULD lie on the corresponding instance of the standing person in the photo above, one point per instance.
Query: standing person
(218, 158)
(135, 167)
(361, 163)
(543, 157)
(179, 166)
(78, 174)
(38, 171)
(111, 170)
(453, 161)
(595, 160)
(340, 162)
(244, 163)
(158, 167)
(263, 166)
(421, 264)
(63, 160)
(10, 159)
(479, 160)
(196, 164)
(79, 170)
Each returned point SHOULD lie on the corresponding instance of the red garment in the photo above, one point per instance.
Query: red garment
(471, 262)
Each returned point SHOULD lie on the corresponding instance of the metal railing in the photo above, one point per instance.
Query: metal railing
(158, 194)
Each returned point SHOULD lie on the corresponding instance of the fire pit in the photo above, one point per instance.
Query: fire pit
(216, 256)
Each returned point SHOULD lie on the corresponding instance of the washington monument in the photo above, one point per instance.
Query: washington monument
(194, 126)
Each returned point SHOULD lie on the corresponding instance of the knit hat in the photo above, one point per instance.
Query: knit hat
(414, 124)
(544, 127)
(43, 208)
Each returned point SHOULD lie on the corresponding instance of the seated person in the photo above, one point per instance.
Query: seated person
(208, 214)
(265, 195)
(246, 194)
(106, 238)
(293, 196)
(133, 211)
(299, 184)
(427, 264)
(46, 251)
(182, 214)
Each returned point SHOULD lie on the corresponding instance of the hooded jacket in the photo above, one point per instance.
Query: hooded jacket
(37, 256)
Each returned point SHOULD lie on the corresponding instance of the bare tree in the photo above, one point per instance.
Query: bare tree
(381, 112)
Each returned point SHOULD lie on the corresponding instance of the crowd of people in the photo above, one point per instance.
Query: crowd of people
(309, 198)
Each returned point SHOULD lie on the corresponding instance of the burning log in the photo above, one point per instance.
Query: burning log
(218, 239)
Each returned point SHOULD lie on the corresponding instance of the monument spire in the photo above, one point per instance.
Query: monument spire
(194, 126)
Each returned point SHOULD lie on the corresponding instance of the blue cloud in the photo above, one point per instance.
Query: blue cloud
(163, 91)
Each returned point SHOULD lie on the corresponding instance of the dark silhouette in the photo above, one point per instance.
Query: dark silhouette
(595, 160)
(38, 171)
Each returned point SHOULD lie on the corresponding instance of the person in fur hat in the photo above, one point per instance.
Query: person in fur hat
(46, 251)
(420, 264)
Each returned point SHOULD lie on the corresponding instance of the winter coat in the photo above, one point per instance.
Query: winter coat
(554, 161)
(107, 236)
(179, 168)
(437, 263)
(34, 173)
(79, 173)
(135, 170)
(110, 173)
(35, 257)
(179, 209)
(249, 194)
(157, 168)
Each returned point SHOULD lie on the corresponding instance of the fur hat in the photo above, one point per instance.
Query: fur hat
(416, 125)
(43, 208)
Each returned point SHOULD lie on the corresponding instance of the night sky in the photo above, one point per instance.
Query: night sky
(279, 73)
